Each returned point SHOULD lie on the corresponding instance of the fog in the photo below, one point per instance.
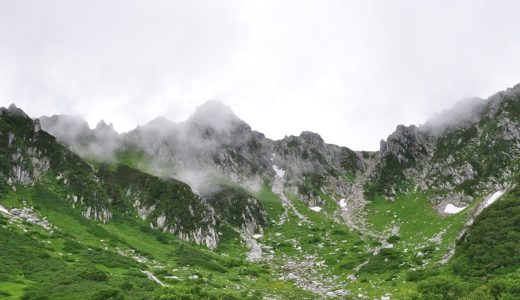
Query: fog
(185, 150)
(99, 143)
(465, 111)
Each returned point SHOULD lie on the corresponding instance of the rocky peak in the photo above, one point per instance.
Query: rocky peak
(306, 140)
(159, 123)
(13, 110)
(214, 115)
(312, 138)
(512, 92)
(406, 143)
(152, 132)
(102, 127)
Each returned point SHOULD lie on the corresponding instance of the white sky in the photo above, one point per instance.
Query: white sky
(349, 70)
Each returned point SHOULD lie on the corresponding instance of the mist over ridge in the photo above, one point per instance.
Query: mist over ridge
(220, 117)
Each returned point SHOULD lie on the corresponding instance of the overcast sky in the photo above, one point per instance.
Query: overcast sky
(349, 70)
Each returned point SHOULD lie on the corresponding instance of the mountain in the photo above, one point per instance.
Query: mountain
(209, 207)
(462, 154)
(31, 156)
(215, 142)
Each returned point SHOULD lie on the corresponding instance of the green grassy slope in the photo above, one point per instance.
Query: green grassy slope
(85, 259)
(59, 264)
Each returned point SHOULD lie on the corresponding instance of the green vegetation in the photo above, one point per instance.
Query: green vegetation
(171, 198)
(491, 246)
(390, 173)
(198, 293)
(386, 260)
(36, 265)
(231, 201)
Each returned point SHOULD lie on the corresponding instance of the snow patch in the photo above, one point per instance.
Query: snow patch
(279, 171)
(258, 236)
(343, 203)
(493, 198)
(315, 208)
(452, 209)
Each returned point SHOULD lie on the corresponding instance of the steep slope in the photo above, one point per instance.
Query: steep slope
(31, 156)
(70, 229)
(490, 246)
(457, 157)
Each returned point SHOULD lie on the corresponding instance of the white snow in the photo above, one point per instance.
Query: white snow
(343, 203)
(4, 210)
(279, 171)
(258, 236)
(315, 208)
(452, 209)
(493, 198)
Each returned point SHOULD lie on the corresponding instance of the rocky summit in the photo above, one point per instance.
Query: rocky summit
(210, 209)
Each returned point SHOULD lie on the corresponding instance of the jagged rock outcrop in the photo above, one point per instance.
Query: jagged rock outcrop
(29, 156)
(469, 150)
(407, 144)
(310, 164)
(215, 142)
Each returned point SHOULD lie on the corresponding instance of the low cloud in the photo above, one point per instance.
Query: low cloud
(185, 151)
(463, 112)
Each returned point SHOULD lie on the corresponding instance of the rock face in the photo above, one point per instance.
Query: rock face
(28, 154)
(20, 165)
(407, 144)
(28, 215)
(459, 154)
(215, 142)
